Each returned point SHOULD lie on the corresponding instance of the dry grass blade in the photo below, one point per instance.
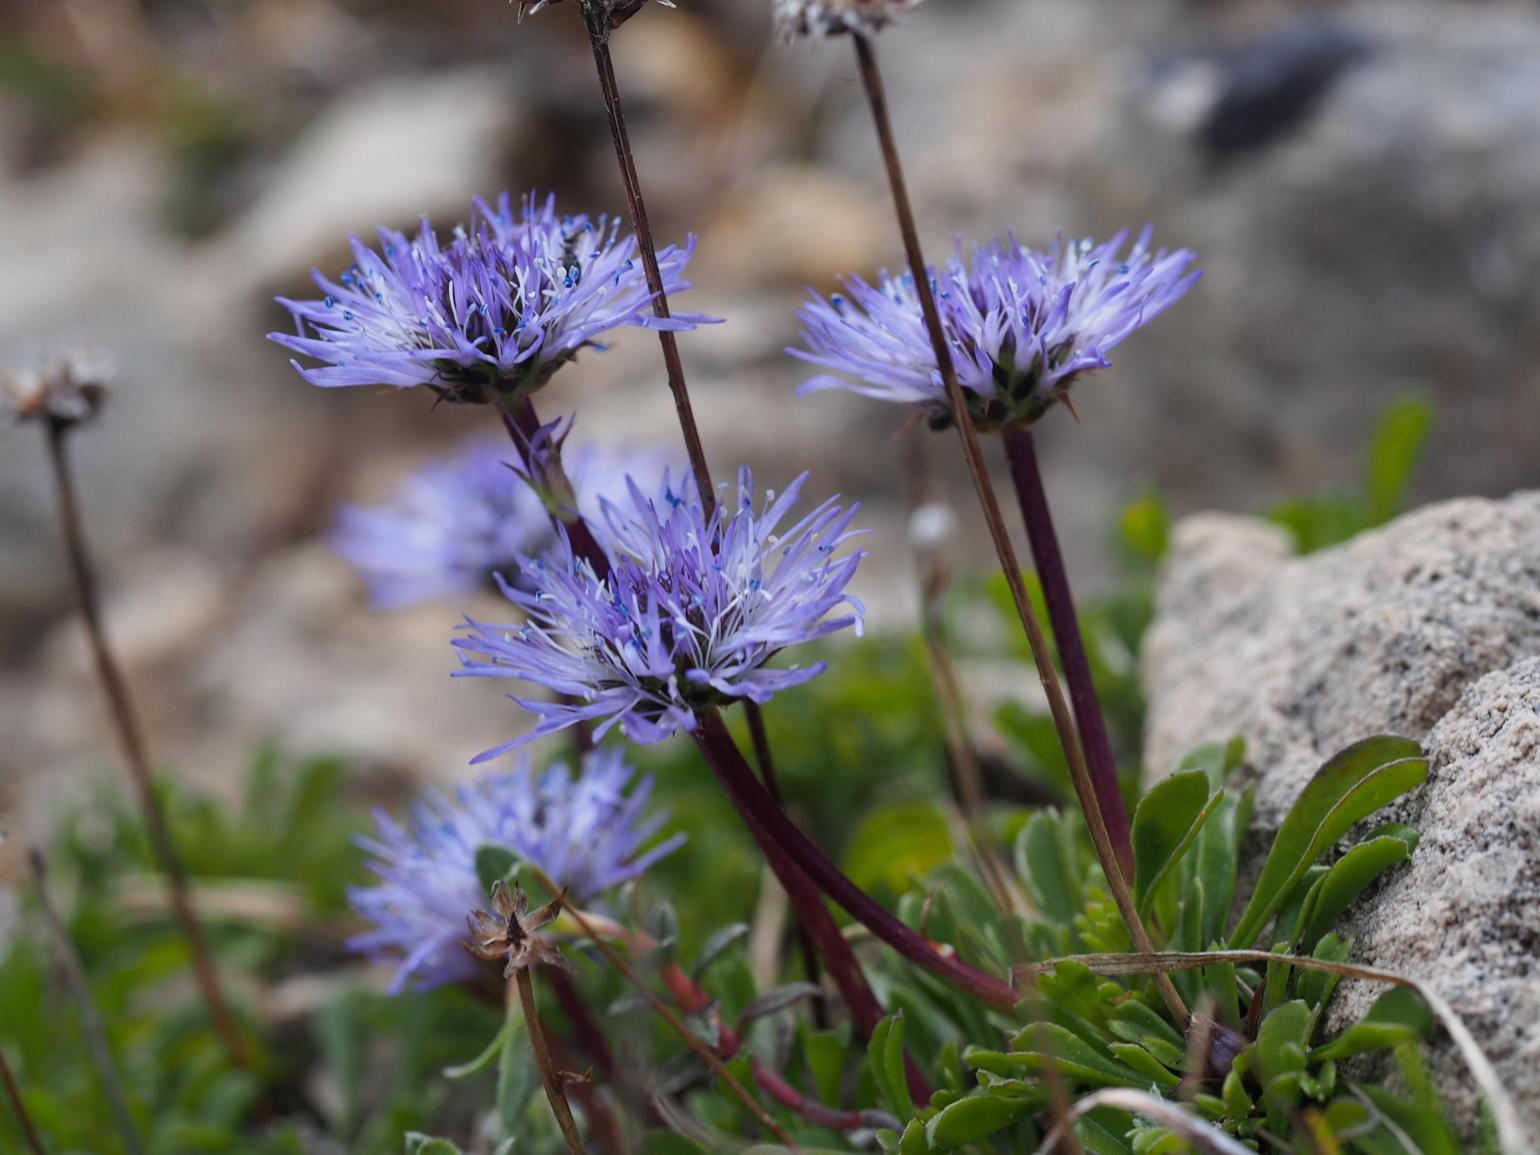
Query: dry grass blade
(1201, 1135)
(1511, 1137)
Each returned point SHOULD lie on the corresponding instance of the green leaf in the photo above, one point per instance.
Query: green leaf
(420, 1144)
(1166, 821)
(1394, 454)
(1397, 1016)
(885, 1057)
(915, 1140)
(896, 845)
(1039, 1044)
(1100, 1140)
(719, 944)
(974, 1118)
(1145, 529)
(494, 864)
(1316, 987)
(773, 1002)
(1280, 1052)
(517, 1077)
(824, 1053)
(1351, 786)
(482, 1061)
(1134, 1056)
(1349, 876)
(1045, 861)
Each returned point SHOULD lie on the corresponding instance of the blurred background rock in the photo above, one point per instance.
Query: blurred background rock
(1361, 181)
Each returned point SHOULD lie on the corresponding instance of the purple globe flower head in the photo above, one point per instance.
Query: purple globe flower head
(450, 526)
(496, 310)
(586, 832)
(447, 528)
(1022, 325)
(692, 610)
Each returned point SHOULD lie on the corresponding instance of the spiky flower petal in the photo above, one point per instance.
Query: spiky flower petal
(692, 610)
(585, 832)
(497, 309)
(457, 521)
(1022, 325)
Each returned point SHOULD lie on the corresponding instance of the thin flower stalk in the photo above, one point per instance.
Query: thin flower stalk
(770, 826)
(19, 1108)
(90, 1014)
(666, 1013)
(1063, 720)
(599, 23)
(596, 18)
(1090, 719)
(130, 736)
(548, 1076)
(932, 577)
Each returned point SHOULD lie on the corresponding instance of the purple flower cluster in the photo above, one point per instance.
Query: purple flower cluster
(497, 309)
(585, 832)
(1021, 324)
(457, 521)
(692, 610)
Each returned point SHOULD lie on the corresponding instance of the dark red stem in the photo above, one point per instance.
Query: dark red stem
(819, 1114)
(772, 828)
(1091, 723)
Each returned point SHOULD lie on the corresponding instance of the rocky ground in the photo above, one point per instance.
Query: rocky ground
(1360, 183)
(1428, 628)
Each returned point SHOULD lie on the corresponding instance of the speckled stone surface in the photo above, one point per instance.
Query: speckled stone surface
(1428, 627)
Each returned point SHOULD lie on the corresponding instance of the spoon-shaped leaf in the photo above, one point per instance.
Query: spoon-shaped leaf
(1166, 821)
(1351, 786)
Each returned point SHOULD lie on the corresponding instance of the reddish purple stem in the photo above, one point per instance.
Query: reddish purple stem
(771, 827)
(1049, 560)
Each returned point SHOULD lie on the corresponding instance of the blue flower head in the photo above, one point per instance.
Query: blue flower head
(1022, 325)
(585, 832)
(451, 525)
(692, 610)
(498, 309)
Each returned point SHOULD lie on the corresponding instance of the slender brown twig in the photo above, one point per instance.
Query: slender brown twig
(599, 25)
(666, 1013)
(1063, 720)
(553, 1088)
(13, 1093)
(1091, 720)
(130, 736)
(932, 577)
(90, 1014)
(596, 19)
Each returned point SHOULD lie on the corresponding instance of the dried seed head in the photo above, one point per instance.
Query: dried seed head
(820, 18)
(65, 389)
(614, 12)
(509, 932)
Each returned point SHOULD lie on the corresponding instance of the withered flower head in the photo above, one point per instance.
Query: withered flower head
(509, 932)
(821, 18)
(614, 12)
(65, 389)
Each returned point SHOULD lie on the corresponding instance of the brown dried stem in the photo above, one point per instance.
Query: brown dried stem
(548, 1076)
(130, 736)
(1063, 720)
(23, 1120)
